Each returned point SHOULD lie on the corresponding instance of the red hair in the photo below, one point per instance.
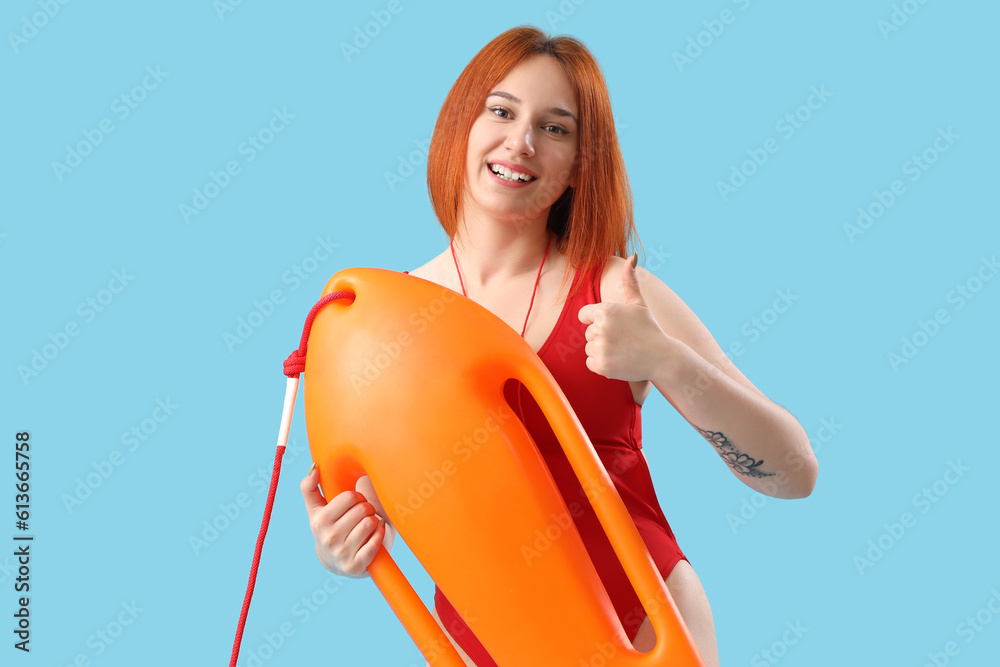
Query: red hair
(592, 220)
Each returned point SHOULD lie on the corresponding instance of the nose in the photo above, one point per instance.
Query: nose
(520, 139)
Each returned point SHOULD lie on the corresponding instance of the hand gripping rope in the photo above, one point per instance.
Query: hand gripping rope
(294, 365)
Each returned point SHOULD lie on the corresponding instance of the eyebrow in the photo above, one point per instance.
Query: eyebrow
(559, 111)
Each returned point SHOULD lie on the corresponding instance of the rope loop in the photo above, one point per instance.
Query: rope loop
(295, 364)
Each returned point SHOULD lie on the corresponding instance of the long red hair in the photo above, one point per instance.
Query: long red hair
(592, 220)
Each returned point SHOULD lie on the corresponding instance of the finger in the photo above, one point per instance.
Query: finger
(368, 550)
(630, 282)
(361, 533)
(332, 533)
(362, 558)
(311, 494)
(594, 313)
(348, 507)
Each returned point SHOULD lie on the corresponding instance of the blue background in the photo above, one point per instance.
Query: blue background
(765, 563)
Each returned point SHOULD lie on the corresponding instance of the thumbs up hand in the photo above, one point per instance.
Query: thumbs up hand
(624, 342)
(630, 283)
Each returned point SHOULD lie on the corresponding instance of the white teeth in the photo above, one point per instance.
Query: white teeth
(508, 175)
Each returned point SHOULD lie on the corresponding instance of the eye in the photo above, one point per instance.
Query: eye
(556, 129)
(500, 112)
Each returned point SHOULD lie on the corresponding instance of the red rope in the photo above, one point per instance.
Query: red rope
(294, 365)
(296, 361)
(535, 289)
(256, 555)
(537, 278)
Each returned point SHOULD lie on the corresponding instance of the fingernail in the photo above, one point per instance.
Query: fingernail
(635, 259)
(311, 468)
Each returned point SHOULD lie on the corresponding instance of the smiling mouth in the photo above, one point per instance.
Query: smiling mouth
(508, 175)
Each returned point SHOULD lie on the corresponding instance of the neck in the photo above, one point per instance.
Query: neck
(489, 253)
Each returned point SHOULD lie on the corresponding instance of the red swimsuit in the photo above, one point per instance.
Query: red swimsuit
(612, 420)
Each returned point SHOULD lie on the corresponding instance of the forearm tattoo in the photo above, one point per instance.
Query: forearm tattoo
(737, 460)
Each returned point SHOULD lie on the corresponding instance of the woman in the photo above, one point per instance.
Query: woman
(527, 179)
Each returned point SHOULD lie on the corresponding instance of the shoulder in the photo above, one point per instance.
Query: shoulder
(611, 280)
(436, 270)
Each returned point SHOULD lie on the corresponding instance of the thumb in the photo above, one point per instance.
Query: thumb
(630, 282)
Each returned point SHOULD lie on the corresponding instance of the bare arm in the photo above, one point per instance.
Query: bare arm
(644, 331)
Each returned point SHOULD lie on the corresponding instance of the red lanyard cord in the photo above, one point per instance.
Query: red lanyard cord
(294, 365)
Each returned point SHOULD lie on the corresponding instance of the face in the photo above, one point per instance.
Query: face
(527, 126)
